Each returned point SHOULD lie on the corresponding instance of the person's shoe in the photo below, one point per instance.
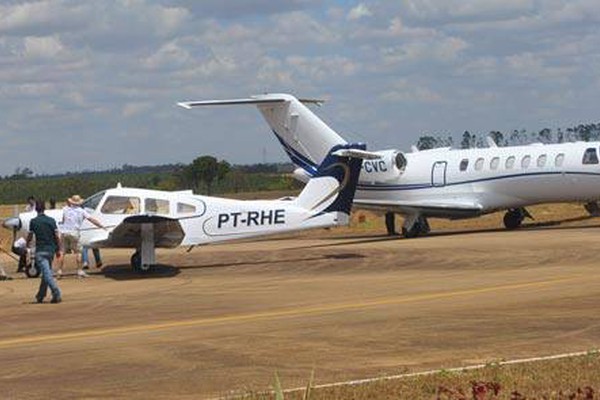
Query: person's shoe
(5, 278)
(39, 300)
(56, 300)
(99, 265)
(58, 274)
(82, 274)
(85, 266)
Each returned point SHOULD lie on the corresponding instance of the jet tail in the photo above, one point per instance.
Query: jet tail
(334, 184)
(304, 136)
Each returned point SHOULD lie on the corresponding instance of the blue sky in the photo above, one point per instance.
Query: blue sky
(88, 85)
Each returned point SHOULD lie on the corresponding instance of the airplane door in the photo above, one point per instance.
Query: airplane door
(438, 174)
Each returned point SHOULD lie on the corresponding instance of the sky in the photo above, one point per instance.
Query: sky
(88, 85)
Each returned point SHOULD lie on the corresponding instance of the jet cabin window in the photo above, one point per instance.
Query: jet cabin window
(590, 156)
(479, 164)
(525, 162)
(156, 206)
(510, 162)
(464, 163)
(541, 161)
(494, 163)
(559, 160)
(121, 205)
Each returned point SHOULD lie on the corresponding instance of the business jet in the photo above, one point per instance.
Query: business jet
(443, 182)
(148, 219)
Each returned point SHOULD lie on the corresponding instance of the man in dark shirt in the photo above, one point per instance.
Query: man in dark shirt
(47, 243)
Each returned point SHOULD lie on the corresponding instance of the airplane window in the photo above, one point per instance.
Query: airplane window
(121, 205)
(590, 156)
(464, 164)
(400, 161)
(183, 208)
(541, 161)
(525, 162)
(558, 161)
(494, 163)
(156, 206)
(479, 164)
(510, 162)
(92, 202)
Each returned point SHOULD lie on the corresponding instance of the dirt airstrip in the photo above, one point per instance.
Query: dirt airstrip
(348, 303)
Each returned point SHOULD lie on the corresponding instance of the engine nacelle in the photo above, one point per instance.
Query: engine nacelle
(387, 168)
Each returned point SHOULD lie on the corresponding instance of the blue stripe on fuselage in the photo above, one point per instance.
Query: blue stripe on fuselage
(416, 186)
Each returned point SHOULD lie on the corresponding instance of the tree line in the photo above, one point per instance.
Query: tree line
(581, 132)
(204, 175)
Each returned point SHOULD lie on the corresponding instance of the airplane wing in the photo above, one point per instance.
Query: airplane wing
(167, 232)
(428, 208)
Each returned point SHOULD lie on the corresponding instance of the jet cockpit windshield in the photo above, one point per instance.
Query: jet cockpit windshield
(91, 203)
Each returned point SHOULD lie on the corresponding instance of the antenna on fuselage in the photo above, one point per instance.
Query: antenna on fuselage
(491, 142)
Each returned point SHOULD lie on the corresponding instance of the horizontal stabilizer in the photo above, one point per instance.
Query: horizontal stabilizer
(356, 153)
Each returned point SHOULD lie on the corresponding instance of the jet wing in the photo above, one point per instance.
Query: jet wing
(429, 208)
(167, 232)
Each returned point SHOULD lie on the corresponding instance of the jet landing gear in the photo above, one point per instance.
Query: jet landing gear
(390, 223)
(592, 208)
(415, 226)
(515, 216)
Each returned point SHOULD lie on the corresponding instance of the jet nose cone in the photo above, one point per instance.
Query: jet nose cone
(12, 223)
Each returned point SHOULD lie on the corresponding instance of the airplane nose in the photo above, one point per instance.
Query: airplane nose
(12, 223)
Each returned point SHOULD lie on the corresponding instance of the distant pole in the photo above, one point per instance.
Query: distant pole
(264, 155)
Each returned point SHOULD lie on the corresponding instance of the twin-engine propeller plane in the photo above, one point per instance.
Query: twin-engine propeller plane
(149, 219)
(441, 183)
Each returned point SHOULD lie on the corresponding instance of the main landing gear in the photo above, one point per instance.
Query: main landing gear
(515, 216)
(137, 264)
(592, 208)
(415, 226)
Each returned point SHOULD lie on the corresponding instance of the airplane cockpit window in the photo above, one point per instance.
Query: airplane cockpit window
(494, 163)
(92, 202)
(525, 162)
(541, 161)
(400, 161)
(559, 160)
(510, 162)
(183, 208)
(121, 205)
(590, 156)
(156, 206)
(479, 164)
(464, 163)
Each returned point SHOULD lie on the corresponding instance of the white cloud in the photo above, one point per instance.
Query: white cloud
(42, 47)
(358, 12)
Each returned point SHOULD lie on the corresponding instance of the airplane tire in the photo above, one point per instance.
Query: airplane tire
(136, 261)
(592, 208)
(420, 228)
(512, 220)
(31, 271)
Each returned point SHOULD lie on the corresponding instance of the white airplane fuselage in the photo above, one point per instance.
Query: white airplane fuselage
(554, 173)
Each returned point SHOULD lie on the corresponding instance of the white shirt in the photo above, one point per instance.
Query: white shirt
(73, 217)
(20, 243)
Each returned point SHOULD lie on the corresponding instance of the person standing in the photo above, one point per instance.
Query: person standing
(47, 244)
(73, 217)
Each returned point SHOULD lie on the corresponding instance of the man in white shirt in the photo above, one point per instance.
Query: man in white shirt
(73, 217)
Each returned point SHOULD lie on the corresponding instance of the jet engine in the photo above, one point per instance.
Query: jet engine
(389, 167)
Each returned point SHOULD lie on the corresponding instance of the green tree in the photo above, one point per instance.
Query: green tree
(427, 142)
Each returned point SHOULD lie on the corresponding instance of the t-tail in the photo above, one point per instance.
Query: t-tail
(332, 188)
(304, 136)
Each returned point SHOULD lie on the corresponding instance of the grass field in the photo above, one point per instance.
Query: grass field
(568, 378)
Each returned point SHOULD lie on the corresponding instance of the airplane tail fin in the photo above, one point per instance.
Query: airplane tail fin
(332, 187)
(304, 136)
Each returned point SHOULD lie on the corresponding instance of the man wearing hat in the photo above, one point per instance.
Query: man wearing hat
(73, 217)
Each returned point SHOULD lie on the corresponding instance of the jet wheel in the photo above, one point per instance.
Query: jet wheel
(513, 219)
(136, 261)
(419, 228)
